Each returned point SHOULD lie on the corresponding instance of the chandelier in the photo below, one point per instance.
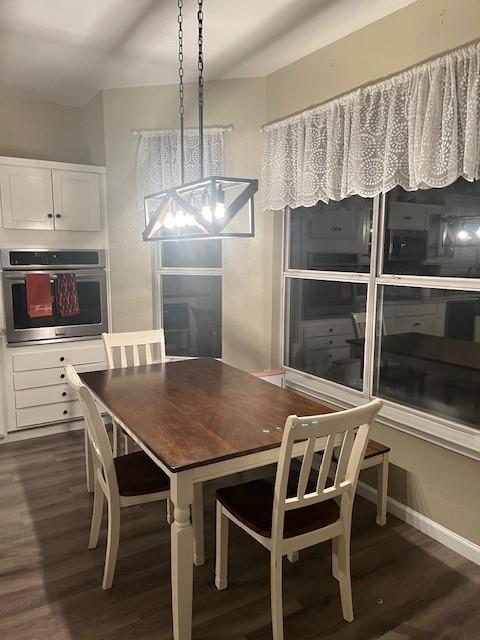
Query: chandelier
(210, 207)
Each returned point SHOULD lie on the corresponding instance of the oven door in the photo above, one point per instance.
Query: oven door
(91, 321)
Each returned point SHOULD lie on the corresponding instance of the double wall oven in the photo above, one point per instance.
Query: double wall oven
(88, 266)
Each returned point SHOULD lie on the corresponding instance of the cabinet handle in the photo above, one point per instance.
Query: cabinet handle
(65, 412)
(416, 324)
(58, 215)
(64, 394)
(49, 215)
(62, 376)
(331, 329)
(330, 342)
(62, 358)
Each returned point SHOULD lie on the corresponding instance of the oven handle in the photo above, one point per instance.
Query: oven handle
(90, 274)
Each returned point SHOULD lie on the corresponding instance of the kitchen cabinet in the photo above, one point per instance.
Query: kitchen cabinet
(26, 197)
(407, 215)
(39, 197)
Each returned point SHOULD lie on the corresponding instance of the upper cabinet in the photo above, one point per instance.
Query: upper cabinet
(26, 197)
(76, 200)
(48, 198)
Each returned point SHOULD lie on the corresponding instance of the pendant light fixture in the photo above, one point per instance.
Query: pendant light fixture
(211, 207)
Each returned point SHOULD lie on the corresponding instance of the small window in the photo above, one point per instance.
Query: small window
(332, 237)
(434, 232)
(321, 330)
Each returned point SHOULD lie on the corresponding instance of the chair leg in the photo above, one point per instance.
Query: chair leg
(198, 526)
(221, 555)
(382, 491)
(344, 577)
(276, 596)
(96, 516)
(114, 439)
(112, 543)
(335, 558)
(293, 557)
(169, 511)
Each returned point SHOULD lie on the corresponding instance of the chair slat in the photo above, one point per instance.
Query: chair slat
(326, 463)
(306, 467)
(123, 357)
(344, 456)
(134, 340)
(136, 359)
(148, 354)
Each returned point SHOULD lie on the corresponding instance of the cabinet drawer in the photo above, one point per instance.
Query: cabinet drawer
(44, 395)
(328, 327)
(32, 379)
(326, 342)
(417, 324)
(48, 413)
(49, 359)
(325, 356)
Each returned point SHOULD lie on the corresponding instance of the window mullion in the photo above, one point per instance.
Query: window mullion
(371, 322)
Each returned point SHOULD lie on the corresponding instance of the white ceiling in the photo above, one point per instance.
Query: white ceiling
(67, 50)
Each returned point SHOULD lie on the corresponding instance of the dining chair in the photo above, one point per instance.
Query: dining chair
(125, 481)
(302, 508)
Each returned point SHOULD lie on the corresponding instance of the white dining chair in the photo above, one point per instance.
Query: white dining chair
(300, 510)
(125, 481)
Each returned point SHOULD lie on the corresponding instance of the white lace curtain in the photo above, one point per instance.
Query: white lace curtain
(158, 158)
(418, 129)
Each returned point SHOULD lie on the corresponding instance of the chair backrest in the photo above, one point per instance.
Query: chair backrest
(347, 429)
(97, 434)
(129, 342)
(360, 322)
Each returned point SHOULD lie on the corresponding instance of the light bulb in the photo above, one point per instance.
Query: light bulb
(463, 235)
(219, 210)
(169, 221)
(180, 219)
(207, 213)
(477, 232)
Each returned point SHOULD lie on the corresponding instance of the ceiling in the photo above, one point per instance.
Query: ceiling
(65, 51)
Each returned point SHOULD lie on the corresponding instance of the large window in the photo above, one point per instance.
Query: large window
(382, 298)
(190, 286)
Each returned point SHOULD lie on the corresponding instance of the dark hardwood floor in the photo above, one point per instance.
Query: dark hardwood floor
(405, 585)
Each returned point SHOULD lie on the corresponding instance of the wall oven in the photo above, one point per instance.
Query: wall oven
(91, 286)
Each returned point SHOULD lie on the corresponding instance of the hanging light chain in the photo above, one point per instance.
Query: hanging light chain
(200, 84)
(181, 107)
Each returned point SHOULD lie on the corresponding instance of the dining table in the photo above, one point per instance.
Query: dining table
(197, 419)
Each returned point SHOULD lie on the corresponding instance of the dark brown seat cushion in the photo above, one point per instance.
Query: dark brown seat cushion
(138, 475)
(252, 504)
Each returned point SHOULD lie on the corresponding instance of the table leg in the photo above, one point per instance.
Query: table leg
(382, 491)
(181, 533)
(88, 463)
(198, 526)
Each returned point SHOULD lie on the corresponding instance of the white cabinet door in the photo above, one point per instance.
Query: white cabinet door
(76, 198)
(26, 197)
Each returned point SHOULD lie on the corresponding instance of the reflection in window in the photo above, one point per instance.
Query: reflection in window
(428, 353)
(192, 307)
(321, 328)
(192, 253)
(434, 232)
(332, 237)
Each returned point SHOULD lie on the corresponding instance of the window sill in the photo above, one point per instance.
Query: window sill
(454, 437)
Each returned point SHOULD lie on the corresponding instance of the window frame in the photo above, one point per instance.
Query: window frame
(161, 271)
(454, 436)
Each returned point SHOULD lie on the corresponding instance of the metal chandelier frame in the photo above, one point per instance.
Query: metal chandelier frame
(198, 209)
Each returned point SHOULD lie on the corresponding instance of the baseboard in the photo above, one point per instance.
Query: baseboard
(38, 432)
(438, 532)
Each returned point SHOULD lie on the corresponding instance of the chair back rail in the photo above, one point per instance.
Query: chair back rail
(122, 343)
(347, 429)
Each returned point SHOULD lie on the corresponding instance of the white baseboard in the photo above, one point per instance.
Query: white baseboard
(438, 532)
(38, 432)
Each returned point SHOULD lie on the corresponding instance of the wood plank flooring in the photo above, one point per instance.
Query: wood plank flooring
(405, 585)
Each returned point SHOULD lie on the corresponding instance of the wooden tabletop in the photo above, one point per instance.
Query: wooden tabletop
(194, 412)
(448, 351)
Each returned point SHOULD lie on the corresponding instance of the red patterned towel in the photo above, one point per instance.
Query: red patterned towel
(39, 295)
(66, 295)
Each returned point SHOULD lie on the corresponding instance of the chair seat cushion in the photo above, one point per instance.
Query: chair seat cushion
(252, 504)
(138, 475)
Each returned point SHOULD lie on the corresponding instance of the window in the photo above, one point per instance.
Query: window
(190, 285)
(382, 297)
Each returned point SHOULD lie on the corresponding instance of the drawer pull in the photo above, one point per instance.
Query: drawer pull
(331, 329)
(64, 394)
(62, 376)
(416, 324)
(62, 358)
(65, 412)
(330, 342)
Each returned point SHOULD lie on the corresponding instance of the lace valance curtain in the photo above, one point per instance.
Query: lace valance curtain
(418, 129)
(158, 158)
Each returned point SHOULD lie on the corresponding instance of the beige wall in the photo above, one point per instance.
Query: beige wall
(247, 275)
(42, 130)
(432, 480)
